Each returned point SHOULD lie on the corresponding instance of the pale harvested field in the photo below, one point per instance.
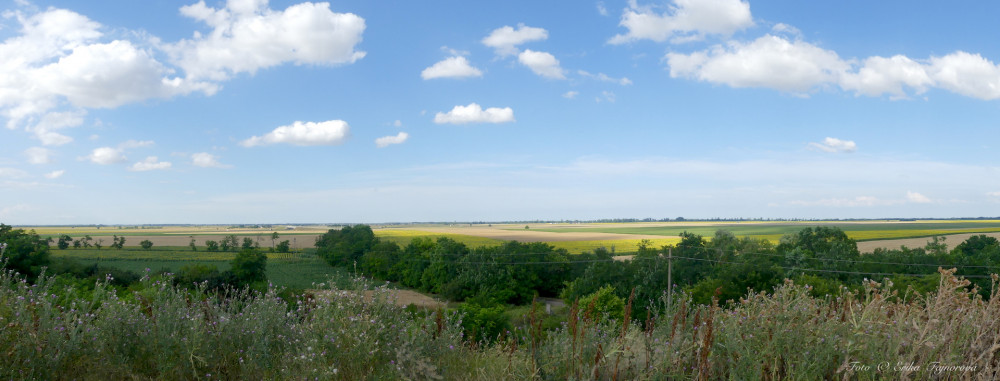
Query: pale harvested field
(297, 241)
(401, 297)
(951, 240)
(527, 235)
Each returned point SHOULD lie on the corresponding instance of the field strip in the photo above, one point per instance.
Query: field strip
(951, 240)
(528, 235)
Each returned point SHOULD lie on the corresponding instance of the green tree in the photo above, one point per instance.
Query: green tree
(249, 266)
(247, 243)
(211, 245)
(976, 244)
(345, 246)
(193, 245)
(118, 242)
(77, 244)
(284, 247)
(146, 244)
(274, 237)
(25, 252)
(232, 242)
(64, 241)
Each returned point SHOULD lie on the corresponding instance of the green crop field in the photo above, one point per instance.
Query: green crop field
(291, 270)
(403, 237)
(861, 231)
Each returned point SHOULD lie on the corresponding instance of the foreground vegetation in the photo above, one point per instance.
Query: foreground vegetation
(161, 331)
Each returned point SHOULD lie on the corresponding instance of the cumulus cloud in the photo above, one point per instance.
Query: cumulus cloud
(331, 132)
(769, 61)
(894, 76)
(967, 74)
(386, 141)
(38, 155)
(56, 66)
(474, 113)
(798, 67)
(207, 160)
(570, 94)
(247, 36)
(542, 63)
(59, 63)
(917, 198)
(683, 20)
(55, 174)
(151, 163)
(451, 67)
(504, 40)
(833, 145)
(106, 156)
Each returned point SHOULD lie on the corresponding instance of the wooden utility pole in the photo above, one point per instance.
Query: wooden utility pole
(670, 277)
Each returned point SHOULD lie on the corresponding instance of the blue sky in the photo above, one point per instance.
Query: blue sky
(123, 112)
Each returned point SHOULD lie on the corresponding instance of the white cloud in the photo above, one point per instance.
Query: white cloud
(149, 164)
(38, 155)
(504, 40)
(474, 113)
(993, 194)
(915, 197)
(966, 74)
(451, 67)
(570, 94)
(684, 20)
(542, 63)
(770, 62)
(397, 123)
(624, 81)
(785, 28)
(55, 174)
(835, 145)
(247, 36)
(799, 67)
(330, 132)
(880, 75)
(56, 66)
(386, 141)
(106, 155)
(207, 160)
(601, 10)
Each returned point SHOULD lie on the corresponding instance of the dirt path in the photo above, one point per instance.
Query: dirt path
(402, 297)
